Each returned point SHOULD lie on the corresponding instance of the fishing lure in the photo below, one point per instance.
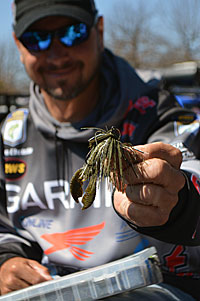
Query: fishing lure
(108, 157)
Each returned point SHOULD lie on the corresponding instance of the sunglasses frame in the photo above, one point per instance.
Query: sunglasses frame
(55, 33)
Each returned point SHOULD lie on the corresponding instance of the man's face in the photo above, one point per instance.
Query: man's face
(63, 72)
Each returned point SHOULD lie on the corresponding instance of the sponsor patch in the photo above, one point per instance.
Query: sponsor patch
(14, 129)
(14, 169)
(37, 223)
(181, 128)
(13, 152)
(186, 119)
(71, 239)
(141, 105)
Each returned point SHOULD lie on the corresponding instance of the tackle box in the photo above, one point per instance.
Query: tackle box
(134, 271)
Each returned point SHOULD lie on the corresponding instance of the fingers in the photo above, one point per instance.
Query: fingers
(149, 205)
(144, 211)
(163, 151)
(151, 216)
(12, 285)
(152, 185)
(151, 195)
(158, 172)
(39, 270)
(17, 273)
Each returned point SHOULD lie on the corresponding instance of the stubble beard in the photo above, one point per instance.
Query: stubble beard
(67, 91)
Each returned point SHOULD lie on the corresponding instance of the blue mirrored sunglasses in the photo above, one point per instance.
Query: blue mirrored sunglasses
(68, 36)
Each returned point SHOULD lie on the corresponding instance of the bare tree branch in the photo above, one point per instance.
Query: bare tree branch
(155, 36)
(12, 75)
(182, 18)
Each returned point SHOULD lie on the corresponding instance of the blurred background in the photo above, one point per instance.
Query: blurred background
(161, 39)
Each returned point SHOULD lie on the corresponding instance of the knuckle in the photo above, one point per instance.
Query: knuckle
(159, 168)
(146, 193)
(161, 145)
(14, 268)
(175, 150)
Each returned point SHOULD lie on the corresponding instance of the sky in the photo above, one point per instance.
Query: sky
(104, 7)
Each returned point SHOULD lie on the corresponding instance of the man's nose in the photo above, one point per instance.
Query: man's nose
(57, 50)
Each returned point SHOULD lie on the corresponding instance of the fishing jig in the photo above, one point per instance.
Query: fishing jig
(108, 158)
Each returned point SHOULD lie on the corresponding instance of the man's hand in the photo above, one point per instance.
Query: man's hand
(152, 191)
(17, 273)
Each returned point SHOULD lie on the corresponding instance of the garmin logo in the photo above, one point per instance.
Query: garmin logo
(18, 152)
(52, 194)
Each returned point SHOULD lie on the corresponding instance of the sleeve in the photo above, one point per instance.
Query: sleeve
(11, 243)
(180, 127)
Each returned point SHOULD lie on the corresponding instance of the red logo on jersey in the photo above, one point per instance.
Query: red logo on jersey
(176, 259)
(196, 183)
(68, 239)
(128, 129)
(141, 105)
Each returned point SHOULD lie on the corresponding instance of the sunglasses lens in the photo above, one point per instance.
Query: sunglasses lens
(35, 41)
(69, 36)
(74, 34)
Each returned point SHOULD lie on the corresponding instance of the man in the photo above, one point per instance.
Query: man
(76, 83)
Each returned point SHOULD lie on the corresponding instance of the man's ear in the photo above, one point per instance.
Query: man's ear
(100, 28)
(19, 46)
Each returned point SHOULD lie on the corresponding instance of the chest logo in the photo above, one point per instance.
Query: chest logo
(14, 169)
(14, 129)
(70, 239)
